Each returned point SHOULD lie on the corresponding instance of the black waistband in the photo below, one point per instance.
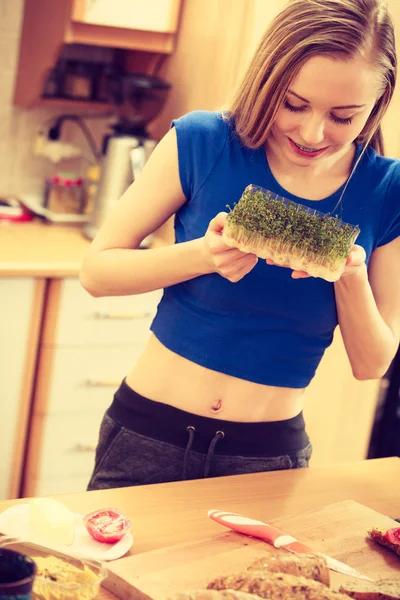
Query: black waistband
(169, 424)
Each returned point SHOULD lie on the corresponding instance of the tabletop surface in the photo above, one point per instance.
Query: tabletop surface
(172, 513)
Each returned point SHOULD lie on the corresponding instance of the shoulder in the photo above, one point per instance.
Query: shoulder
(383, 181)
(384, 171)
(202, 138)
(203, 121)
(202, 130)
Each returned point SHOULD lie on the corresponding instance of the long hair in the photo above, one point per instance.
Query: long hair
(340, 29)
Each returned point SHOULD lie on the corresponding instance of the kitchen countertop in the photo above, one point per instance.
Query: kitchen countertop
(42, 249)
(173, 513)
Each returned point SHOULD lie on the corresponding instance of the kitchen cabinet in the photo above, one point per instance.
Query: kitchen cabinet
(87, 346)
(20, 319)
(146, 32)
(153, 15)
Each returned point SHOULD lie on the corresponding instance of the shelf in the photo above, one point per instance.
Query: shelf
(72, 105)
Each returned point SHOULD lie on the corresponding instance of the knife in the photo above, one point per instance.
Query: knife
(278, 539)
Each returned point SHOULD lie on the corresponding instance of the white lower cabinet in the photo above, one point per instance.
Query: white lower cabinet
(84, 379)
(68, 445)
(16, 300)
(83, 359)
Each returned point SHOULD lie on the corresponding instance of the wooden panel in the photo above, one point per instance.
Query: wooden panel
(38, 52)
(114, 37)
(339, 410)
(338, 530)
(203, 69)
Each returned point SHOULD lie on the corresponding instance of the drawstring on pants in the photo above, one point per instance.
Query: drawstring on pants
(219, 435)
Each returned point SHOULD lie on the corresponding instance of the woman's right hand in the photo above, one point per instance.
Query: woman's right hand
(231, 263)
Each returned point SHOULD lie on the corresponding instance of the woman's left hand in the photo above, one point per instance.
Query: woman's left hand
(354, 264)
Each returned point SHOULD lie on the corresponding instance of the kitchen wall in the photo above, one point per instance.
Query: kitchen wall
(20, 171)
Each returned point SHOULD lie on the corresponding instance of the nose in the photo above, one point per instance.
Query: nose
(312, 130)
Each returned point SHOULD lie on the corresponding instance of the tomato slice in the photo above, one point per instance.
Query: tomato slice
(393, 535)
(107, 525)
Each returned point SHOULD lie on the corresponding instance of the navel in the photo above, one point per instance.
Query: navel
(217, 405)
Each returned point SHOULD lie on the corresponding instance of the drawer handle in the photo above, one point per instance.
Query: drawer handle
(102, 383)
(122, 316)
(81, 448)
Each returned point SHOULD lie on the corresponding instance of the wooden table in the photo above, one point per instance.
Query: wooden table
(168, 514)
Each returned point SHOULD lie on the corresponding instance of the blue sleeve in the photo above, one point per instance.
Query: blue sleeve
(201, 137)
(390, 217)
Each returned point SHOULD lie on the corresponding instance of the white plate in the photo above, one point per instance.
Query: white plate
(15, 522)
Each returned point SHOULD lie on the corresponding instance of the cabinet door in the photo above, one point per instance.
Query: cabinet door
(152, 15)
(74, 380)
(18, 343)
(78, 319)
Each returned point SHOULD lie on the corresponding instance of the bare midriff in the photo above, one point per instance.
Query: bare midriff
(164, 376)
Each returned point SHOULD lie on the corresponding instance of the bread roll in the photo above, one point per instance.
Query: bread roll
(276, 586)
(310, 566)
(385, 589)
(213, 595)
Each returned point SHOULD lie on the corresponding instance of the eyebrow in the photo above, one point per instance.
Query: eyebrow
(333, 107)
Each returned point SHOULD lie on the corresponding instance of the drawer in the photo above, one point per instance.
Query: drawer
(82, 379)
(68, 444)
(86, 321)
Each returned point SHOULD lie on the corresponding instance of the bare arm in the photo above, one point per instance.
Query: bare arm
(114, 265)
(369, 310)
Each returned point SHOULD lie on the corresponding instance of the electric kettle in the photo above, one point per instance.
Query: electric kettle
(137, 98)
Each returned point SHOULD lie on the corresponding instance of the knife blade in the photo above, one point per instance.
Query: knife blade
(278, 539)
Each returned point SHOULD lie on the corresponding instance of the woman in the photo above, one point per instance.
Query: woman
(219, 388)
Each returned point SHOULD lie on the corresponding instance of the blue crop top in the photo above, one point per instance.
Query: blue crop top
(266, 328)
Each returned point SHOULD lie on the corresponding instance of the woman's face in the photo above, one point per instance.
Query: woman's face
(326, 108)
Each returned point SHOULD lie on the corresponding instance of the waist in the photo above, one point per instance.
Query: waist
(171, 425)
(167, 377)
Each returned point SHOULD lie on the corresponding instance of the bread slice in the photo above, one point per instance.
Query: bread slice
(310, 566)
(385, 589)
(276, 586)
(378, 535)
(213, 595)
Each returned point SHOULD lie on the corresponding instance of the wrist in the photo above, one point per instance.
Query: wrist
(355, 277)
(203, 256)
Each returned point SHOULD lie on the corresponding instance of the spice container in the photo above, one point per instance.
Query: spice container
(78, 82)
(65, 193)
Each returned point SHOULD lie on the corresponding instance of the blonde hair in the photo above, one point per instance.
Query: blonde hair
(340, 29)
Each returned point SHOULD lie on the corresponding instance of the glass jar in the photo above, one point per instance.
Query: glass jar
(65, 193)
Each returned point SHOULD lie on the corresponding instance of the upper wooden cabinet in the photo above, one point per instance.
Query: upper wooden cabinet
(131, 25)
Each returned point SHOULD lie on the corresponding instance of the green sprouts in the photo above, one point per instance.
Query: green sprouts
(288, 228)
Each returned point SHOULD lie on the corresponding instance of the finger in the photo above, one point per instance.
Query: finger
(300, 275)
(245, 262)
(356, 257)
(238, 274)
(217, 223)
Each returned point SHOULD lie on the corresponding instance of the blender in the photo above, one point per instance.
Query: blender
(137, 99)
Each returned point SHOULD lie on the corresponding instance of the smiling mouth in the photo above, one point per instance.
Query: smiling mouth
(306, 148)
